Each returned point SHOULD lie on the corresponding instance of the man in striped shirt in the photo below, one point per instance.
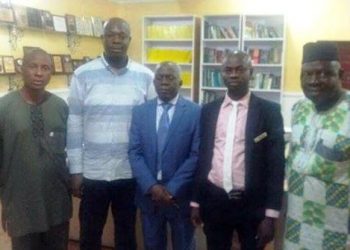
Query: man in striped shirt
(102, 95)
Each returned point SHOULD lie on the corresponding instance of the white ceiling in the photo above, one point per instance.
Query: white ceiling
(140, 1)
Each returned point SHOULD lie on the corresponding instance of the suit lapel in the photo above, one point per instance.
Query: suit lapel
(151, 123)
(253, 120)
(211, 122)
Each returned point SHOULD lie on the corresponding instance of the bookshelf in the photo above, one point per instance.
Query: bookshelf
(262, 36)
(220, 33)
(173, 38)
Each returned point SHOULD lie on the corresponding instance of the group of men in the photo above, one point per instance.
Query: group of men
(133, 141)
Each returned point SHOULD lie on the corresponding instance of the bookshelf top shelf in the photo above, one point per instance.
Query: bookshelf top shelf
(220, 40)
(274, 39)
(168, 40)
(156, 63)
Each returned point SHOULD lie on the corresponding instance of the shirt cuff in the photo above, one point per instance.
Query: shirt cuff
(194, 204)
(272, 213)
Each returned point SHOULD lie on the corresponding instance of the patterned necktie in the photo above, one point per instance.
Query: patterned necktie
(230, 136)
(163, 127)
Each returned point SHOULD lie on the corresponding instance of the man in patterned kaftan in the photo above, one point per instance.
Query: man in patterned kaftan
(319, 161)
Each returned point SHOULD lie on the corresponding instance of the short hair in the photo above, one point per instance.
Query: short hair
(115, 20)
(238, 53)
(28, 55)
(170, 64)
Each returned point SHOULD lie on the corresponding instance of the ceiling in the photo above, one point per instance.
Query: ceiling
(140, 1)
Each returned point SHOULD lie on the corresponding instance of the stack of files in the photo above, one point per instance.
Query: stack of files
(186, 77)
(156, 55)
(169, 32)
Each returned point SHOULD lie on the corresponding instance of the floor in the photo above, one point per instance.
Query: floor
(74, 245)
(6, 245)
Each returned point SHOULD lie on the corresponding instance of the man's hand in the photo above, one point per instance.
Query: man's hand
(266, 232)
(160, 195)
(76, 184)
(196, 217)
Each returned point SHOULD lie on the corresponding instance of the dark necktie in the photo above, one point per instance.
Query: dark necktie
(163, 127)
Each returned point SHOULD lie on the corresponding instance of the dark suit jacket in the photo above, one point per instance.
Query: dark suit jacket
(179, 156)
(264, 159)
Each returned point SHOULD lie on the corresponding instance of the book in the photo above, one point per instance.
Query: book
(220, 56)
(87, 22)
(34, 18)
(272, 32)
(97, 26)
(232, 32)
(59, 23)
(224, 33)
(249, 30)
(70, 23)
(47, 21)
(20, 16)
(255, 55)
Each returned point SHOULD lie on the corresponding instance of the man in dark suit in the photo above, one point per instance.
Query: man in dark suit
(163, 152)
(239, 182)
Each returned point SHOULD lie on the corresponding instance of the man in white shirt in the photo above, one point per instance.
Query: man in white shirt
(102, 95)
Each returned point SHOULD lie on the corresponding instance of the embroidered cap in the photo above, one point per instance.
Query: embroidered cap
(320, 51)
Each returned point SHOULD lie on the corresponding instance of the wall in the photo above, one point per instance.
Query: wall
(56, 43)
(307, 20)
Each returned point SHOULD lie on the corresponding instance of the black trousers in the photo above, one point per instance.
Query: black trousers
(222, 216)
(96, 198)
(56, 238)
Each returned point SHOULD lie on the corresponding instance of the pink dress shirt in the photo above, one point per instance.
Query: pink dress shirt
(238, 157)
(238, 162)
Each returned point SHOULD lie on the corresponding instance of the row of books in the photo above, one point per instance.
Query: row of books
(212, 78)
(260, 30)
(169, 32)
(209, 96)
(265, 56)
(265, 81)
(215, 31)
(156, 55)
(260, 80)
(25, 17)
(214, 55)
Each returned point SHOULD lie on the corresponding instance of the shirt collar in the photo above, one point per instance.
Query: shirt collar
(114, 70)
(173, 101)
(244, 101)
